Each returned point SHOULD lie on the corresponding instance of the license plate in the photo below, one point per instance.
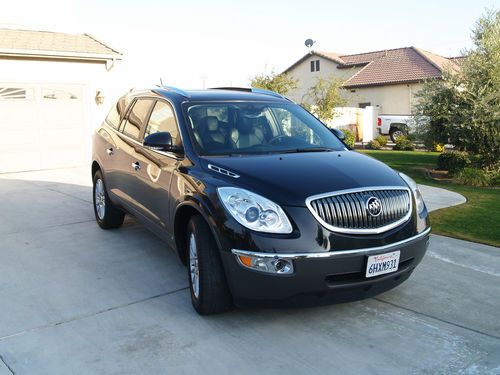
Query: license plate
(382, 263)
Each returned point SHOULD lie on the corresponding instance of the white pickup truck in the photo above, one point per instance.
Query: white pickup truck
(394, 125)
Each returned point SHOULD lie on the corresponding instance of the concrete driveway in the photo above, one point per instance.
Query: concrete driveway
(75, 299)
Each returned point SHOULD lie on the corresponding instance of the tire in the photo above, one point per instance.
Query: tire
(107, 215)
(207, 281)
(395, 133)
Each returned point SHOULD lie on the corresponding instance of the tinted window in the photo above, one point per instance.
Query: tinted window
(136, 118)
(116, 113)
(163, 120)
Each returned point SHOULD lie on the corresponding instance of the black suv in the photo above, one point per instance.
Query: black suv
(263, 203)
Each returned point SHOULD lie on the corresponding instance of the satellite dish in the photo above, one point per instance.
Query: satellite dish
(309, 43)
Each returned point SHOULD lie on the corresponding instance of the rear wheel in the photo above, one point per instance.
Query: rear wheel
(207, 281)
(107, 215)
(396, 133)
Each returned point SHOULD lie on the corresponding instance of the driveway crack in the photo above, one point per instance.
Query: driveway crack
(7, 365)
(439, 319)
(85, 316)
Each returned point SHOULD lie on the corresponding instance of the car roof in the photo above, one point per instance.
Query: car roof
(218, 94)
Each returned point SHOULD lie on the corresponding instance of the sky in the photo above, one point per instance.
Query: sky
(197, 43)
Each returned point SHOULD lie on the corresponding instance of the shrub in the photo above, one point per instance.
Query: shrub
(382, 141)
(495, 179)
(404, 144)
(374, 145)
(350, 138)
(473, 177)
(453, 161)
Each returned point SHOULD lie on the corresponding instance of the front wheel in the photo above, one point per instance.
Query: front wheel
(207, 281)
(107, 215)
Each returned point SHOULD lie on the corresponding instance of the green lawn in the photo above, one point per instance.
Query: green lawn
(477, 220)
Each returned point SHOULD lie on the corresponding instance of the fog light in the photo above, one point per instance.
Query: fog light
(271, 264)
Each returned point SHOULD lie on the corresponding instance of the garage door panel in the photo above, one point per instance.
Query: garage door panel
(47, 128)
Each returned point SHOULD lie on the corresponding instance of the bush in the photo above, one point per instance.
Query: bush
(350, 138)
(382, 141)
(374, 145)
(404, 144)
(453, 161)
(438, 147)
(473, 177)
(495, 179)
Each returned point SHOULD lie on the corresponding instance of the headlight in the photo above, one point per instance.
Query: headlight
(414, 187)
(253, 211)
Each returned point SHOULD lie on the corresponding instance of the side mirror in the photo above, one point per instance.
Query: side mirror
(339, 133)
(161, 141)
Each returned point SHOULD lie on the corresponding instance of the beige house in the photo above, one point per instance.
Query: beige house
(54, 88)
(386, 79)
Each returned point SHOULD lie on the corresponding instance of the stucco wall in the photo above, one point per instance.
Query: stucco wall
(390, 99)
(306, 79)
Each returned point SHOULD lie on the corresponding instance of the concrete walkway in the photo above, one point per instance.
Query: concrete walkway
(75, 299)
(436, 198)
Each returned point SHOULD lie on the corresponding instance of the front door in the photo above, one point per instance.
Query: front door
(155, 169)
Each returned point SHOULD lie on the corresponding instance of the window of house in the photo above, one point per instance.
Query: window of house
(364, 105)
(56, 93)
(162, 119)
(315, 66)
(137, 117)
(16, 93)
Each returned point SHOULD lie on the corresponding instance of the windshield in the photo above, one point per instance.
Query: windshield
(257, 128)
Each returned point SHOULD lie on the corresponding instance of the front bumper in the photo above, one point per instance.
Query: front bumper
(319, 278)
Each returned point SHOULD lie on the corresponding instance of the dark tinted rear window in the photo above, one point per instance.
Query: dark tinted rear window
(116, 113)
(137, 117)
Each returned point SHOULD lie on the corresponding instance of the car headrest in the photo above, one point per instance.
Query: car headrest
(212, 123)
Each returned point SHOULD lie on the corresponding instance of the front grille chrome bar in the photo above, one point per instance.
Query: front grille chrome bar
(346, 211)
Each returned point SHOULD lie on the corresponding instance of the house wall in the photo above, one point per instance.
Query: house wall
(391, 99)
(306, 79)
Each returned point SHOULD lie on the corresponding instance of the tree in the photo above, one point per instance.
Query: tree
(464, 107)
(281, 83)
(323, 97)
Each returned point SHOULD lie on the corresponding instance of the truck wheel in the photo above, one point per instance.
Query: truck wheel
(395, 133)
(207, 281)
(107, 215)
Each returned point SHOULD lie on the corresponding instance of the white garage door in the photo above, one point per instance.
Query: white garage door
(43, 126)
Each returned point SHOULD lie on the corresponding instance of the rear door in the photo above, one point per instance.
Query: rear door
(124, 182)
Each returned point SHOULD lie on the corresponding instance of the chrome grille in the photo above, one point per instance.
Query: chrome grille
(347, 211)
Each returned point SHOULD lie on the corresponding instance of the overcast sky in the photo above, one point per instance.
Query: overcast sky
(226, 42)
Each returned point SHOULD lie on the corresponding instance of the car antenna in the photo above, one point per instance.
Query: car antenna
(161, 82)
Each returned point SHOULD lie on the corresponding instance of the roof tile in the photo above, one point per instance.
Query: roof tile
(32, 40)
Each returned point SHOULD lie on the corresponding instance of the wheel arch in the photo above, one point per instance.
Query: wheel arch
(184, 212)
(95, 167)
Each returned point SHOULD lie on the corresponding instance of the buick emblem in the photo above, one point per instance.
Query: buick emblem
(373, 206)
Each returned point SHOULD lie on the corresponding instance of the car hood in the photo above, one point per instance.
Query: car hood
(288, 179)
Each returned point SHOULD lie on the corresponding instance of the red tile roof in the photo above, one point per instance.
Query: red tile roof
(400, 65)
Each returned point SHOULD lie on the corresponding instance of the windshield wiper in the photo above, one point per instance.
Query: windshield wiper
(309, 149)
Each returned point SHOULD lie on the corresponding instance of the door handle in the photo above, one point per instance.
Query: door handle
(110, 151)
(136, 166)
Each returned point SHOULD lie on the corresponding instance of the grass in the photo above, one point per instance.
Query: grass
(477, 220)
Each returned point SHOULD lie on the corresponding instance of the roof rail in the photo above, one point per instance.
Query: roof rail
(175, 89)
(250, 89)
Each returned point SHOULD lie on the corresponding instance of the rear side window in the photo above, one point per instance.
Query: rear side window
(136, 118)
(115, 114)
(163, 120)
